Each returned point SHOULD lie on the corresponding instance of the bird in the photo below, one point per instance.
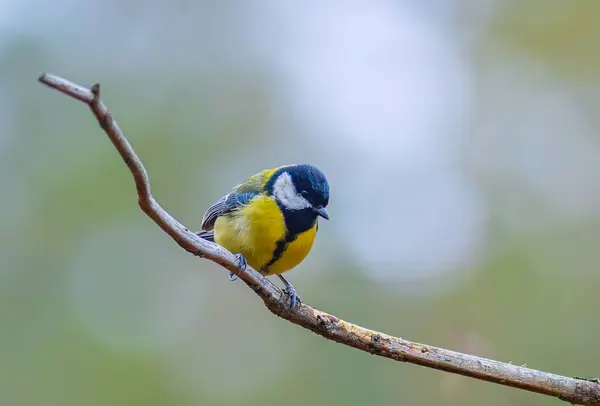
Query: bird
(270, 221)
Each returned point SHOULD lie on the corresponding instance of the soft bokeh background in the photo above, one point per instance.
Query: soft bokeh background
(461, 140)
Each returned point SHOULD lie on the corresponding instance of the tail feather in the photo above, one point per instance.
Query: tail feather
(207, 235)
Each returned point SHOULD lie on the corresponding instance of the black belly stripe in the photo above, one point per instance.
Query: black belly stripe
(280, 248)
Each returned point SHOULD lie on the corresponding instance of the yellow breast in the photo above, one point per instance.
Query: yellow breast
(255, 230)
(294, 253)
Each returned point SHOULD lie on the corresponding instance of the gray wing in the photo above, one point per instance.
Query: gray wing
(226, 204)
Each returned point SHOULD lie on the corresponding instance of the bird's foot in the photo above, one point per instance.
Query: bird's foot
(241, 264)
(291, 292)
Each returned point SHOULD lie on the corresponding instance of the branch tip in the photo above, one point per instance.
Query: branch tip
(95, 89)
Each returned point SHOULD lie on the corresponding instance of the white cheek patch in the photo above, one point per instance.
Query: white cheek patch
(285, 191)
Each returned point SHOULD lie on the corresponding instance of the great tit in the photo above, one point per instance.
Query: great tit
(270, 220)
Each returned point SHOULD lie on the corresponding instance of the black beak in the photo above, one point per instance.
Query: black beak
(322, 212)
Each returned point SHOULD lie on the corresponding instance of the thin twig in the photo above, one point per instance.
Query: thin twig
(573, 390)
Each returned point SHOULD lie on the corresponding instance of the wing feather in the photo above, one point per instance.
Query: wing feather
(207, 235)
(224, 205)
(240, 196)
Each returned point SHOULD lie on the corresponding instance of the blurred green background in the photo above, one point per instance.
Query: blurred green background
(461, 142)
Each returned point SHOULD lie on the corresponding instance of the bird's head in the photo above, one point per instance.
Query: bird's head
(300, 187)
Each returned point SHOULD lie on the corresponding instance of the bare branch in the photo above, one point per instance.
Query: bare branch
(573, 390)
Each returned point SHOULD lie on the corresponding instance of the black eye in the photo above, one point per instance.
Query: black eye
(304, 193)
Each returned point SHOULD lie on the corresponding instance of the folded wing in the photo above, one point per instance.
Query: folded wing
(226, 204)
